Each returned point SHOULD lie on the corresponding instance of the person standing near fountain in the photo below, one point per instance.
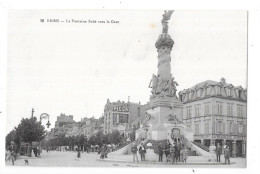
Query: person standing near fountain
(160, 151)
(134, 152)
(218, 152)
(227, 155)
(142, 151)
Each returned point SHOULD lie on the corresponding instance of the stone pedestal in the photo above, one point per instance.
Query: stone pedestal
(161, 111)
(159, 135)
(151, 156)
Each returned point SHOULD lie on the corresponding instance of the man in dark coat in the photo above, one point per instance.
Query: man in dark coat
(227, 155)
(218, 152)
(134, 152)
(178, 151)
(160, 151)
(142, 151)
(167, 150)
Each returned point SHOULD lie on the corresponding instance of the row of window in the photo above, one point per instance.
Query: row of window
(217, 89)
(219, 110)
(221, 128)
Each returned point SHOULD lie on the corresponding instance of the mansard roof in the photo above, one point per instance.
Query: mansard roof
(211, 88)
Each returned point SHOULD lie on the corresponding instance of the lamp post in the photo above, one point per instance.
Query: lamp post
(45, 116)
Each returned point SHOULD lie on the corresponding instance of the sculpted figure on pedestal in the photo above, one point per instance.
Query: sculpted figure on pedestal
(166, 17)
(153, 84)
(172, 87)
(160, 85)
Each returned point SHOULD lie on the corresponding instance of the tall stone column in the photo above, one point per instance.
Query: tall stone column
(234, 148)
(164, 46)
(163, 84)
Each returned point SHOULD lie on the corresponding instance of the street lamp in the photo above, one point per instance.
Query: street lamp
(45, 116)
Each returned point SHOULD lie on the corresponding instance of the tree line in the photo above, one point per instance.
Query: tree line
(98, 139)
(30, 130)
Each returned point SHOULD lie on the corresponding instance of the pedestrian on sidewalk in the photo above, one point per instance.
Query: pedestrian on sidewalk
(218, 152)
(172, 153)
(12, 151)
(78, 152)
(167, 150)
(142, 151)
(102, 152)
(178, 150)
(107, 151)
(227, 154)
(160, 151)
(183, 154)
(134, 152)
(39, 152)
(35, 151)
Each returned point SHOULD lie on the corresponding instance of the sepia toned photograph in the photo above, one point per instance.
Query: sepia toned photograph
(126, 88)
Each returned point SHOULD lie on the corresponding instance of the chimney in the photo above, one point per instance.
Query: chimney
(128, 99)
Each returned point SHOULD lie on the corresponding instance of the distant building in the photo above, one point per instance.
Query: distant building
(86, 127)
(217, 113)
(119, 115)
(63, 124)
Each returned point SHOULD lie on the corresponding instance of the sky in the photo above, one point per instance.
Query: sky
(73, 68)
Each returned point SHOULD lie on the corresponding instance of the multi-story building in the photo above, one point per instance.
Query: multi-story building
(119, 115)
(216, 111)
(63, 124)
(87, 127)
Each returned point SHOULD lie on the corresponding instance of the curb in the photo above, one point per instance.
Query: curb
(26, 157)
(163, 163)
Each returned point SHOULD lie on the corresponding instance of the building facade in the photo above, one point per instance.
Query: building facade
(64, 124)
(216, 111)
(119, 115)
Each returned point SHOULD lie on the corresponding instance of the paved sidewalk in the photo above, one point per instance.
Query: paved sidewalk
(69, 159)
(192, 160)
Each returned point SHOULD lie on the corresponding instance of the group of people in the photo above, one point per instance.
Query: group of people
(173, 153)
(37, 151)
(104, 150)
(226, 152)
(141, 150)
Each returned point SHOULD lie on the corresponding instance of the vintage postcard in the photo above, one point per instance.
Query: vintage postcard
(126, 88)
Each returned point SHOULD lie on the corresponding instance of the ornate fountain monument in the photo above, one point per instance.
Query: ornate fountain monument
(165, 109)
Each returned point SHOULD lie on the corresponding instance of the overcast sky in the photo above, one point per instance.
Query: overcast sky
(73, 68)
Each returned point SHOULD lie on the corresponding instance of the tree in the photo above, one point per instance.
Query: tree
(30, 130)
(116, 137)
(12, 136)
(99, 138)
(92, 140)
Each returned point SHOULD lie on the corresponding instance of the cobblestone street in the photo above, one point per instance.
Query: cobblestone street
(69, 159)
